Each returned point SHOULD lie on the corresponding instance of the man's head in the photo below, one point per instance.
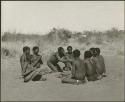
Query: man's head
(61, 51)
(87, 54)
(98, 51)
(93, 51)
(26, 50)
(69, 49)
(76, 53)
(35, 50)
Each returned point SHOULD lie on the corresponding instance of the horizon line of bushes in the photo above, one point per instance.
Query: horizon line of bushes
(63, 34)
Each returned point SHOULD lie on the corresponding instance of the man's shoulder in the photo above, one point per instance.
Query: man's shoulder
(87, 61)
(79, 61)
(94, 58)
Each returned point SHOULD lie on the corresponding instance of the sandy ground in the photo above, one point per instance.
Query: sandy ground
(110, 88)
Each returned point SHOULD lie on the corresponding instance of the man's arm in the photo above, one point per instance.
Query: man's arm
(88, 66)
(73, 70)
(41, 62)
(64, 59)
(24, 65)
(97, 65)
(38, 59)
(104, 64)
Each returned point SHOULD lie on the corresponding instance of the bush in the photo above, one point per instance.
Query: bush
(8, 53)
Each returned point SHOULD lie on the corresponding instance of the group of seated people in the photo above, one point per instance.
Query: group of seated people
(91, 68)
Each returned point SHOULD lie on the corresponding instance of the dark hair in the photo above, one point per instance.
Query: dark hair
(69, 47)
(35, 47)
(25, 48)
(87, 54)
(76, 53)
(60, 48)
(97, 50)
(91, 49)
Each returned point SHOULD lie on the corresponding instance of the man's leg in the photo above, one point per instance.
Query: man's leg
(59, 68)
(51, 66)
(29, 76)
(72, 81)
(39, 75)
(35, 75)
(69, 80)
(37, 78)
(66, 74)
(93, 78)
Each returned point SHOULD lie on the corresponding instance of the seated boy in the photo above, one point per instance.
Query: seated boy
(78, 70)
(90, 67)
(29, 72)
(36, 58)
(55, 58)
(69, 55)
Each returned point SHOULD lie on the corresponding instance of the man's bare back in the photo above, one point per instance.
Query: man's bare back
(79, 70)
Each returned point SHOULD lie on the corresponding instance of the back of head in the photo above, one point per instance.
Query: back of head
(91, 49)
(25, 48)
(69, 47)
(76, 53)
(94, 52)
(87, 54)
(98, 51)
(60, 49)
(35, 47)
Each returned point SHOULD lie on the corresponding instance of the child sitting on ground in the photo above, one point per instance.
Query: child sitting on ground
(69, 55)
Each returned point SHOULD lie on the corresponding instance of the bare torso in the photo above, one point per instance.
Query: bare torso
(79, 69)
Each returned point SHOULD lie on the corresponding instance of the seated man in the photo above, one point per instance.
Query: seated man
(100, 63)
(29, 72)
(55, 58)
(78, 70)
(90, 67)
(69, 55)
(36, 61)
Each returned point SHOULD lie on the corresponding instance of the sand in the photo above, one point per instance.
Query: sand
(110, 88)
